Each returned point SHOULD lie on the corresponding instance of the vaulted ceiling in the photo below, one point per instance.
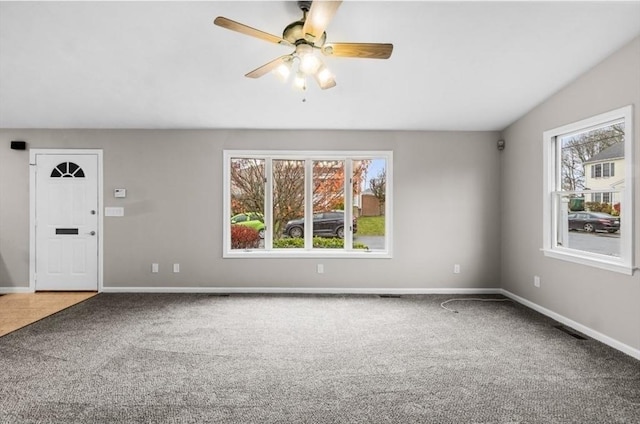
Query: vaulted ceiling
(455, 65)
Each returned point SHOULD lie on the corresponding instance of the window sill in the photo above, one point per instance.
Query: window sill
(298, 253)
(594, 261)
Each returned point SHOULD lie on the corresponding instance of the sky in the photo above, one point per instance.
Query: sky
(376, 166)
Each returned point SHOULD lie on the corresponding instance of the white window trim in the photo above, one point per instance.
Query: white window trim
(624, 264)
(308, 251)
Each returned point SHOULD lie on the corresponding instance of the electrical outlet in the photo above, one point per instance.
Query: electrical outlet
(155, 268)
(176, 267)
(536, 281)
(456, 269)
(320, 269)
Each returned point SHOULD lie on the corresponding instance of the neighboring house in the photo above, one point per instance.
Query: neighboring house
(370, 204)
(605, 171)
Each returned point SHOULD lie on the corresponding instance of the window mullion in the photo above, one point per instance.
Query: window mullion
(626, 242)
(308, 204)
(268, 203)
(348, 204)
(556, 235)
(555, 188)
(557, 174)
(555, 201)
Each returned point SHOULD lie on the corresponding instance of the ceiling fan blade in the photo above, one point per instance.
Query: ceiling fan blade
(268, 67)
(362, 50)
(318, 18)
(247, 30)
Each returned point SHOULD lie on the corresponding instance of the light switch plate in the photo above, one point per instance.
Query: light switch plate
(120, 192)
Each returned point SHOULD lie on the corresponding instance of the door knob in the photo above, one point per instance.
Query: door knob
(92, 233)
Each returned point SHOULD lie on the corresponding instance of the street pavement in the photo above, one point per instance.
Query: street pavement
(601, 243)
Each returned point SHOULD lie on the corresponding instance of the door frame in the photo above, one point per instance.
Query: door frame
(32, 207)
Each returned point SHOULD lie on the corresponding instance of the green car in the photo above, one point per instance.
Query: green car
(253, 220)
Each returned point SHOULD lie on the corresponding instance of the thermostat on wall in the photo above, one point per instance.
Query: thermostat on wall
(120, 192)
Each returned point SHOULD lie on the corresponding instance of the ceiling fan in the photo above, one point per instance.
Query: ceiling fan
(308, 36)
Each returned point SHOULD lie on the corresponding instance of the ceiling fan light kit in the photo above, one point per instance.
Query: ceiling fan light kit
(284, 70)
(308, 37)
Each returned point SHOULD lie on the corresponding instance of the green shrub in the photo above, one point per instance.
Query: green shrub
(318, 242)
(616, 209)
(362, 246)
(289, 243)
(599, 207)
(243, 237)
(328, 243)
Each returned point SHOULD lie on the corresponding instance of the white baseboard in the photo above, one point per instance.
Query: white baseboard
(631, 351)
(9, 290)
(299, 290)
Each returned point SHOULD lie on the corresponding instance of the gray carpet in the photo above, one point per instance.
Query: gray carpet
(197, 358)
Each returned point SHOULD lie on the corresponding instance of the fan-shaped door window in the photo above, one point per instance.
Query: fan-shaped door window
(67, 170)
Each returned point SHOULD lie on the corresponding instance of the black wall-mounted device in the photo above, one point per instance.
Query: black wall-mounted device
(19, 145)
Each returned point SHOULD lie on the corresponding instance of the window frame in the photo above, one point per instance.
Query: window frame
(596, 170)
(308, 157)
(625, 263)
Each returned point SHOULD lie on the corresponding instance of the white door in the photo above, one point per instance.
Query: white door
(66, 222)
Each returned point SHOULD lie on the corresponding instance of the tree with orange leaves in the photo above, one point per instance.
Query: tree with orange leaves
(248, 187)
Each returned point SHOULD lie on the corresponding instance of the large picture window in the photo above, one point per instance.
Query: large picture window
(588, 205)
(307, 204)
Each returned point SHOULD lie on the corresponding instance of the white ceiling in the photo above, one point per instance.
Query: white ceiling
(455, 65)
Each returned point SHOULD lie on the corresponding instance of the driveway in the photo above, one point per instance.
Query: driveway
(373, 242)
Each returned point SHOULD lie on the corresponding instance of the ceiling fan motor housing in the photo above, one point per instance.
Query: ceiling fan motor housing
(293, 34)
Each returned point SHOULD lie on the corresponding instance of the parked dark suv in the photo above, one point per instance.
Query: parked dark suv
(325, 224)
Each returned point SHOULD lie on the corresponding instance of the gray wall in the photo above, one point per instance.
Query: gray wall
(604, 301)
(446, 209)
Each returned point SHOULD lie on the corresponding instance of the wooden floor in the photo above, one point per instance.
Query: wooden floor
(20, 309)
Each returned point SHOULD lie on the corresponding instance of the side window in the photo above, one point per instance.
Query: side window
(579, 159)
